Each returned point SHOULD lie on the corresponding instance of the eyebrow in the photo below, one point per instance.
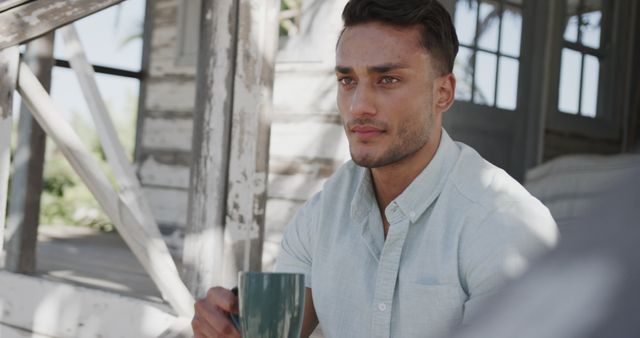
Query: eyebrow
(383, 68)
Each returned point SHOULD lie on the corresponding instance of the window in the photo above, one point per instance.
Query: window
(488, 61)
(581, 58)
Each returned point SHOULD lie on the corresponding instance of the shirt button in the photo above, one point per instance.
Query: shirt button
(412, 215)
(382, 307)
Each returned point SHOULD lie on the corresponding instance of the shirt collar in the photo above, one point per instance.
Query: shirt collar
(419, 195)
(426, 187)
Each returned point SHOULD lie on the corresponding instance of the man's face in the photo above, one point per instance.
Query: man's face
(385, 94)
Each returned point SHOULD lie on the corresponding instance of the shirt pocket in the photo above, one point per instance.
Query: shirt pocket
(428, 310)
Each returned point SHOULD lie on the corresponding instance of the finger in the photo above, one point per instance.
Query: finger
(211, 320)
(221, 324)
(201, 328)
(223, 298)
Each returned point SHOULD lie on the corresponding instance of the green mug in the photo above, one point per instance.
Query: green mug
(271, 304)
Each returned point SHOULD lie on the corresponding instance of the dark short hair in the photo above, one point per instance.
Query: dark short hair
(439, 36)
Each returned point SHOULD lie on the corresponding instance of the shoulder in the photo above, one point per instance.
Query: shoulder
(499, 203)
(486, 185)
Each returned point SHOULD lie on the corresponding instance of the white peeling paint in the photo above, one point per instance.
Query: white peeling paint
(34, 20)
(7, 38)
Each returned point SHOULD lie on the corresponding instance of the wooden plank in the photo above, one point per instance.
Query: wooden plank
(26, 187)
(23, 23)
(8, 4)
(9, 58)
(171, 93)
(309, 140)
(294, 187)
(55, 309)
(318, 97)
(249, 157)
(169, 205)
(204, 239)
(130, 189)
(167, 133)
(7, 331)
(146, 244)
(157, 174)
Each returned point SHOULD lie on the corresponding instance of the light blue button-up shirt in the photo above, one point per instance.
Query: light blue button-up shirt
(456, 233)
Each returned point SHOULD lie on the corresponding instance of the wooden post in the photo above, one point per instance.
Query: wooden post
(204, 240)
(230, 144)
(147, 245)
(250, 130)
(26, 187)
(9, 58)
(129, 185)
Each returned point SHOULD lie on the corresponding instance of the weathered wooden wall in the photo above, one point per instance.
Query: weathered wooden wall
(307, 141)
(165, 125)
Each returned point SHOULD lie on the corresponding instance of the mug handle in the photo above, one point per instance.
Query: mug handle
(235, 318)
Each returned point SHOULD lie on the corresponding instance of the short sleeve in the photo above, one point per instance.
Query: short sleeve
(298, 241)
(501, 247)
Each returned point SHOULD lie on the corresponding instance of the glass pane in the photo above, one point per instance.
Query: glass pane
(463, 71)
(590, 86)
(120, 95)
(511, 31)
(112, 37)
(591, 26)
(465, 21)
(569, 81)
(488, 26)
(571, 30)
(508, 83)
(485, 84)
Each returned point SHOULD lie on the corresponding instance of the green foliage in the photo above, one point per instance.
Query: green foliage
(289, 17)
(65, 198)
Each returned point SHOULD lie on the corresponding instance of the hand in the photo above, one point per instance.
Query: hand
(211, 319)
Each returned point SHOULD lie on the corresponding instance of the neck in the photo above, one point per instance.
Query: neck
(391, 180)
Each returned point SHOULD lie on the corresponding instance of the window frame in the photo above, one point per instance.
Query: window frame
(607, 123)
(523, 74)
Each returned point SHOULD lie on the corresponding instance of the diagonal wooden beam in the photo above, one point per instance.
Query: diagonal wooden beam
(130, 188)
(147, 246)
(8, 4)
(23, 23)
(8, 74)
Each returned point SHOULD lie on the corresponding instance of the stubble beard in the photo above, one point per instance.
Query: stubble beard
(409, 141)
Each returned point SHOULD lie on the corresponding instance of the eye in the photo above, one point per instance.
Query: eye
(346, 81)
(389, 80)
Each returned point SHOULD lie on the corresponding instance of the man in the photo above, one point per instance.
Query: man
(408, 238)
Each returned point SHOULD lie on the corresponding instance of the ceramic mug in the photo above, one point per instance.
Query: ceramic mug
(271, 304)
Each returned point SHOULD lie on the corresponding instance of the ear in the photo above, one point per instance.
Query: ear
(445, 89)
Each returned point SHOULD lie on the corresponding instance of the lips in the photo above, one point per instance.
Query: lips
(366, 131)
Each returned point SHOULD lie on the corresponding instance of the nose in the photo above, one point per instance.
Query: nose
(363, 101)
